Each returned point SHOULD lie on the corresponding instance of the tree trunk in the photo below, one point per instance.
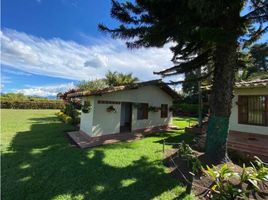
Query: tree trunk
(221, 102)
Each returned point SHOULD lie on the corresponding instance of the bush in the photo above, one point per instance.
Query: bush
(69, 114)
(186, 152)
(65, 118)
(37, 104)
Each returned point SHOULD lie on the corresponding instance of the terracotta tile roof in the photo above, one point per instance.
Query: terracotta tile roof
(258, 83)
(252, 84)
(157, 82)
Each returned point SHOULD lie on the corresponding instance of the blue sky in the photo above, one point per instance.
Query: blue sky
(50, 45)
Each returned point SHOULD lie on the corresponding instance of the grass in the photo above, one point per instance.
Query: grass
(38, 162)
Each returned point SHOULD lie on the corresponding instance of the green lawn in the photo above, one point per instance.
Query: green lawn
(38, 162)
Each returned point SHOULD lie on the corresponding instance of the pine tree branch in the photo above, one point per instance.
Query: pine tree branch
(195, 63)
(262, 9)
(255, 36)
(200, 78)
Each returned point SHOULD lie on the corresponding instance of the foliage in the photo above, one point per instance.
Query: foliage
(186, 23)
(259, 54)
(256, 63)
(255, 75)
(224, 188)
(110, 109)
(191, 109)
(21, 101)
(86, 107)
(115, 78)
(70, 111)
(202, 32)
(65, 118)
(111, 79)
(153, 109)
(191, 87)
(34, 145)
(257, 173)
(20, 97)
(93, 85)
(186, 152)
(36, 104)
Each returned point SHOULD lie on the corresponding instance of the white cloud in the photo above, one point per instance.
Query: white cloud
(70, 60)
(45, 91)
(5, 79)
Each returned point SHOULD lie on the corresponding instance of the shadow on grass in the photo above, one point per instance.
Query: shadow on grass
(174, 137)
(40, 164)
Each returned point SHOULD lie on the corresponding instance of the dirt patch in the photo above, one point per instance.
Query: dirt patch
(200, 184)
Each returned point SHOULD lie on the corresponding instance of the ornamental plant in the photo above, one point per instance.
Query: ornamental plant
(153, 109)
(110, 109)
(86, 107)
(223, 188)
(186, 152)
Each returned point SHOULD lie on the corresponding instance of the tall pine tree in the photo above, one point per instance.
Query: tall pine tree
(204, 31)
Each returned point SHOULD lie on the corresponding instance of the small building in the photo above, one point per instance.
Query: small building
(127, 108)
(248, 123)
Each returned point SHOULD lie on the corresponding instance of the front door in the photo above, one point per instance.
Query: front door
(125, 118)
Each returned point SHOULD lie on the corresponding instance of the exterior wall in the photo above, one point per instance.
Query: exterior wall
(105, 122)
(108, 123)
(87, 118)
(233, 122)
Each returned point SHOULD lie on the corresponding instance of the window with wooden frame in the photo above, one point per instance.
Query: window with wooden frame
(142, 111)
(164, 110)
(253, 110)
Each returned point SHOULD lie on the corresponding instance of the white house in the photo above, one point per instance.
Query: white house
(248, 123)
(127, 108)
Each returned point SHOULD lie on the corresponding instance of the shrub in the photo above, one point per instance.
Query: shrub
(186, 152)
(70, 110)
(36, 104)
(65, 118)
(69, 114)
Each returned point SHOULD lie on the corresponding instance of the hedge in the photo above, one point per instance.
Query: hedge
(49, 104)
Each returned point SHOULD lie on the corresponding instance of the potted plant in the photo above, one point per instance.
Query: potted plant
(153, 109)
(86, 107)
(110, 109)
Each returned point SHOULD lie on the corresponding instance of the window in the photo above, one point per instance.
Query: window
(253, 110)
(142, 111)
(164, 110)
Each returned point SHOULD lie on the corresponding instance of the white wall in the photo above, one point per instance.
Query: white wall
(87, 118)
(105, 122)
(108, 123)
(233, 123)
